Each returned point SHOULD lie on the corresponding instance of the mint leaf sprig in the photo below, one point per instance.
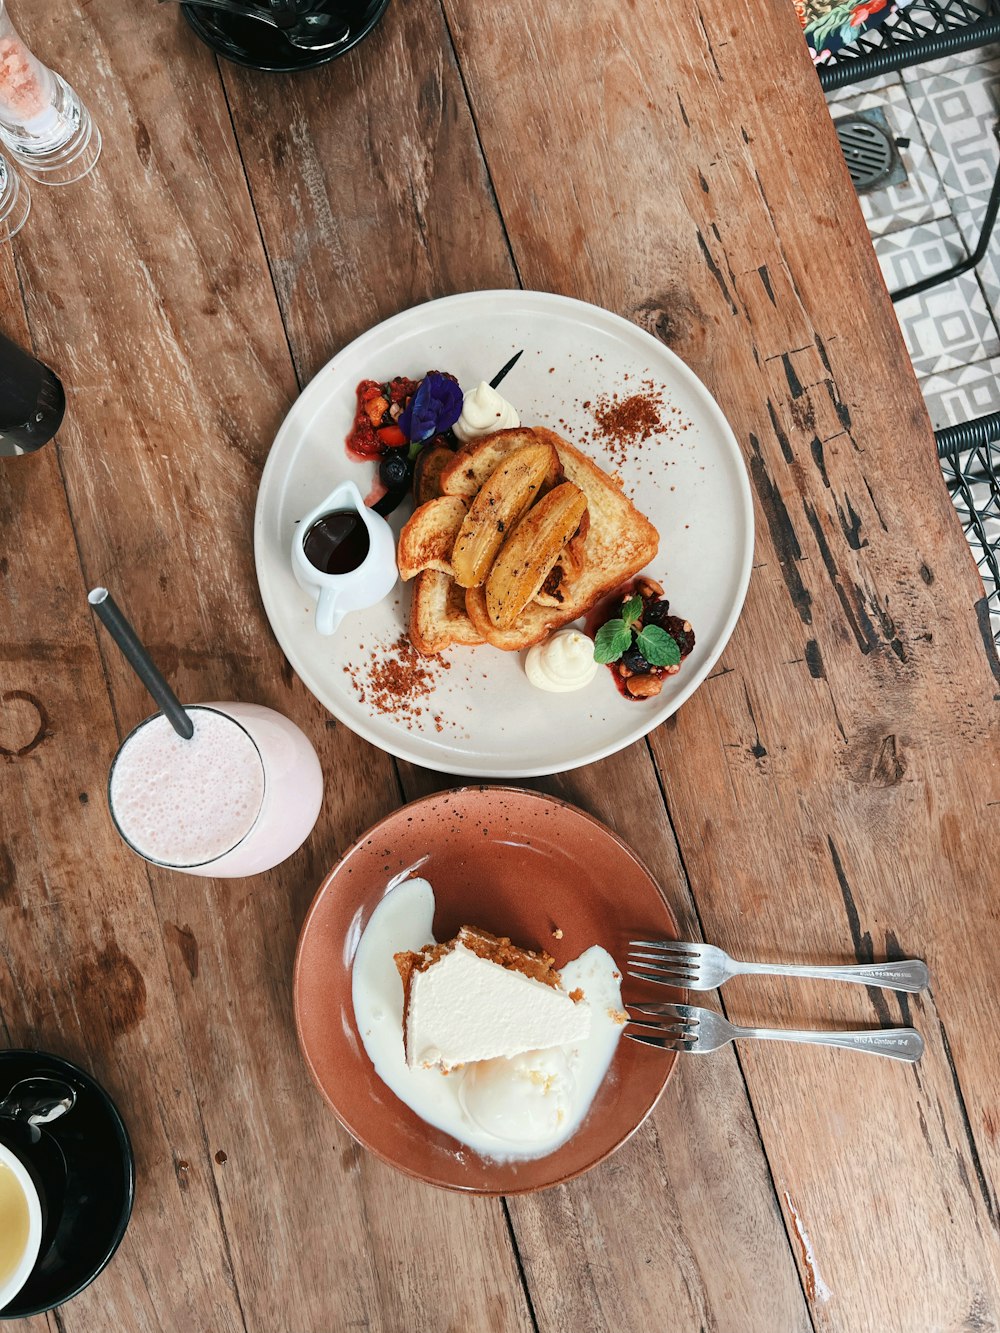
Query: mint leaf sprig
(614, 639)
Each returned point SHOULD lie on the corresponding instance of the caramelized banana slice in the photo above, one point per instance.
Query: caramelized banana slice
(530, 552)
(503, 498)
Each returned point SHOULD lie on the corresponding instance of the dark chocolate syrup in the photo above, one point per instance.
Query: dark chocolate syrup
(338, 542)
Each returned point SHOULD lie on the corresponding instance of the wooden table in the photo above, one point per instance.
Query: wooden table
(833, 790)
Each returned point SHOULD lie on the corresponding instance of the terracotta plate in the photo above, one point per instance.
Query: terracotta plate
(517, 863)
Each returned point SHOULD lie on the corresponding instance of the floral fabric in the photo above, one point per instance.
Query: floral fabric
(829, 25)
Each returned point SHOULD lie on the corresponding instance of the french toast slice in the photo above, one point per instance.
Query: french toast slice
(428, 537)
(620, 541)
(437, 614)
(471, 467)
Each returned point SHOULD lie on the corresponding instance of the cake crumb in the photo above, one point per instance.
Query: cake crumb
(576, 995)
(618, 1016)
(557, 933)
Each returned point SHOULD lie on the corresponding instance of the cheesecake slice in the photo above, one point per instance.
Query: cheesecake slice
(479, 997)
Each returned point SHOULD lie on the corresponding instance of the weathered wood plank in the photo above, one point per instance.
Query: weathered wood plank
(857, 719)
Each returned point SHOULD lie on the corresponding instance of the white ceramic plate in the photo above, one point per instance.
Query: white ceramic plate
(481, 717)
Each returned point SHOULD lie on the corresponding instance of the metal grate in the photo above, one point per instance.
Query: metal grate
(924, 30)
(970, 461)
(868, 151)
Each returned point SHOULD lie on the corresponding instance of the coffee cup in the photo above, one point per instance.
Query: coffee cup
(20, 1224)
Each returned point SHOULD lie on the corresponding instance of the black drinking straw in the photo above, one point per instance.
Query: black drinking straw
(140, 661)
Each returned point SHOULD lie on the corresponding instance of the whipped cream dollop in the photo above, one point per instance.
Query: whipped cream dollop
(484, 411)
(563, 662)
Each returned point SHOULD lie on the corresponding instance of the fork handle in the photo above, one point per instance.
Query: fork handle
(910, 975)
(896, 1043)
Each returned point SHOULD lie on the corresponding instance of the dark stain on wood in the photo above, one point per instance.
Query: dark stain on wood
(850, 524)
(819, 458)
(794, 384)
(803, 413)
(871, 496)
(757, 750)
(779, 434)
(927, 574)
(112, 988)
(43, 731)
(765, 278)
(222, 1157)
(716, 272)
(709, 46)
(783, 537)
(8, 874)
(703, 182)
(142, 144)
(814, 660)
(858, 619)
(989, 1199)
(187, 946)
(287, 674)
(863, 950)
(684, 114)
(43, 650)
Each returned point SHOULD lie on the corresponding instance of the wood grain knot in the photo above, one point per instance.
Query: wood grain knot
(888, 763)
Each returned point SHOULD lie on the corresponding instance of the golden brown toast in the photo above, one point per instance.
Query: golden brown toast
(618, 542)
(437, 614)
(428, 536)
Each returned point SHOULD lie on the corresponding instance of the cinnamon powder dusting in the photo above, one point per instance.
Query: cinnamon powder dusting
(624, 423)
(397, 680)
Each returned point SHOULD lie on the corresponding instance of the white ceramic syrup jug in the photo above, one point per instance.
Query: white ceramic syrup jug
(374, 578)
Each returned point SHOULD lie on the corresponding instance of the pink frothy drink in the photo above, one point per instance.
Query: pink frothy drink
(237, 798)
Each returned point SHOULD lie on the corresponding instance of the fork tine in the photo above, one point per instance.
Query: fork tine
(665, 977)
(665, 946)
(661, 963)
(661, 1043)
(670, 1011)
(665, 1029)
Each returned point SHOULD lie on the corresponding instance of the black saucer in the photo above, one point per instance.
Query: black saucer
(248, 42)
(85, 1167)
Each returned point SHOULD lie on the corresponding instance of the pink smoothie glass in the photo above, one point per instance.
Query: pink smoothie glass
(238, 797)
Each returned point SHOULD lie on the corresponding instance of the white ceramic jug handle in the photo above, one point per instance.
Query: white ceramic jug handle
(328, 617)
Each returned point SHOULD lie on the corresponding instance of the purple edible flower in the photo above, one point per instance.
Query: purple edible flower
(434, 408)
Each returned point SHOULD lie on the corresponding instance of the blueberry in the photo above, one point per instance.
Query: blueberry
(657, 613)
(636, 663)
(395, 469)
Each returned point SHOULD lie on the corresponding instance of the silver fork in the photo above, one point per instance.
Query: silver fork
(683, 1027)
(704, 967)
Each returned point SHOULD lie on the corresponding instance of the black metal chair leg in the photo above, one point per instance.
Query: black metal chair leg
(956, 270)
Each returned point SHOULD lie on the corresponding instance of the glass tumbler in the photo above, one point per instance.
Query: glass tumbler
(45, 127)
(15, 202)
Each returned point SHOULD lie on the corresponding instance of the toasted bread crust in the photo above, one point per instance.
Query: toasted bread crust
(429, 535)
(437, 615)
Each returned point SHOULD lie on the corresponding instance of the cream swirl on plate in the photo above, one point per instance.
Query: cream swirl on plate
(484, 411)
(563, 662)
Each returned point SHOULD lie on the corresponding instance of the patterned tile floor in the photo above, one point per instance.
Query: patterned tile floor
(944, 113)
